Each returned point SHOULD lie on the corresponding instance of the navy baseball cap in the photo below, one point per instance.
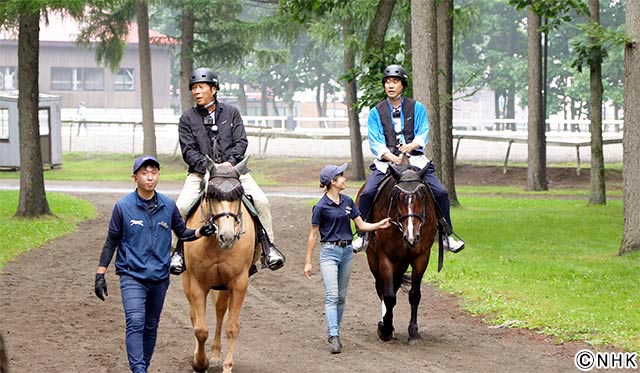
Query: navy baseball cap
(144, 159)
(329, 173)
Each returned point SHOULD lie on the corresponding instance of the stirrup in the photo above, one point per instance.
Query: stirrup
(453, 243)
(273, 259)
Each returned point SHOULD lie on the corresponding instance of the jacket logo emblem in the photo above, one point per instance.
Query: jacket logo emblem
(163, 224)
(136, 222)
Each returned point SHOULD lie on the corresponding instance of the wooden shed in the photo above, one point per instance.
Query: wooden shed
(50, 130)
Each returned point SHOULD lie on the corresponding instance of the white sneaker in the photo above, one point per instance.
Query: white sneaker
(360, 243)
(455, 245)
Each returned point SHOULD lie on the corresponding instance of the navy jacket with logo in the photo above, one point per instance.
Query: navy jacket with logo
(142, 235)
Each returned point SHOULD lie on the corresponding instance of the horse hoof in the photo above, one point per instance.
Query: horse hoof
(386, 337)
(200, 369)
(413, 340)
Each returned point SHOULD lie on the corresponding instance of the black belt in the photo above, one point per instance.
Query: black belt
(339, 243)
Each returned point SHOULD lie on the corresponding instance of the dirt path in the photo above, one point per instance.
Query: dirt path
(52, 321)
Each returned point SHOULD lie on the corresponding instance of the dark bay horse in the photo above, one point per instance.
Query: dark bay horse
(221, 261)
(407, 200)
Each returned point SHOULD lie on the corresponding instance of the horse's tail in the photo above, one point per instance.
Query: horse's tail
(405, 283)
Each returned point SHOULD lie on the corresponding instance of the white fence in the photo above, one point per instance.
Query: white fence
(309, 137)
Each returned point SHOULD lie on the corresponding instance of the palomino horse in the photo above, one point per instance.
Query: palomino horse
(221, 262)
(407, 200)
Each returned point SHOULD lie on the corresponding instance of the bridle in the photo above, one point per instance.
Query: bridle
(409, 195)
(225, 188)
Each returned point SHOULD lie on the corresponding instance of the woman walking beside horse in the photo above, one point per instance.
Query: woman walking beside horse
(331, 219)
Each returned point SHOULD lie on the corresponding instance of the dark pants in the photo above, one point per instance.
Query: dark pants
(374, 180)
(142, 303)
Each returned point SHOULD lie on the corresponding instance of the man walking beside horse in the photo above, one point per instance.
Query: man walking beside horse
(140, 229)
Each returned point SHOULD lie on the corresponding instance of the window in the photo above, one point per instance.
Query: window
(93, 79)
(61, 78)
(4, 124)
(123, 80)
(77, 79)
(8, 77)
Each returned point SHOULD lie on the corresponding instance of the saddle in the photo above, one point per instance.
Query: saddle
(247, 200)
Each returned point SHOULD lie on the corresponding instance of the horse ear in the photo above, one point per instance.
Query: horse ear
(241, 168)
(423, 171)
(395, 172)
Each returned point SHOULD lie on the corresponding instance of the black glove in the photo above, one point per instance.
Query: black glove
(207, 229)
(101, 286)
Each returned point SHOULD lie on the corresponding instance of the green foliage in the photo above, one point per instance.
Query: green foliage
(548, 265)
(19, 235)
(302, 11)
(107, 27)
(592, 47)
(555, 11)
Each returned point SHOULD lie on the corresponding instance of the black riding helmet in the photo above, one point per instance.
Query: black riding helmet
(395, 71)
(204, 75)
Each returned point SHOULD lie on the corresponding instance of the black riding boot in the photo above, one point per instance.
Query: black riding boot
(272, 258)
(177, 260)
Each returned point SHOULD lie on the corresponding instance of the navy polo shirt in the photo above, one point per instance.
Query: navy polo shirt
(334, 219)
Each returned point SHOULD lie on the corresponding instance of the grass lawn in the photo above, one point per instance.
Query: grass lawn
(546, 264)
(19, 235)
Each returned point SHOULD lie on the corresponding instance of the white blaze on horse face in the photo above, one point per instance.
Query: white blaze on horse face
(410, 229)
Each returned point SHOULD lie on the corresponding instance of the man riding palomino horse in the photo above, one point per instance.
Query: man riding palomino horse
(400, 125)
(215, 130)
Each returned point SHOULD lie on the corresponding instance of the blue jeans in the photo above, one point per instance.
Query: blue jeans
(142, 303)
(335, 266)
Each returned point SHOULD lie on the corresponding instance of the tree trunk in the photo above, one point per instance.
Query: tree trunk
(32, 201)
(536, 170)
(377, 31)
(425, 70)
(242, 96)
(146, 86)
(186, 57)
(276, 112)
(291, 91)
(264, 111)
(631, 132)
(348, 58)
(407, 44)
(445, 85)
(598, 191)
